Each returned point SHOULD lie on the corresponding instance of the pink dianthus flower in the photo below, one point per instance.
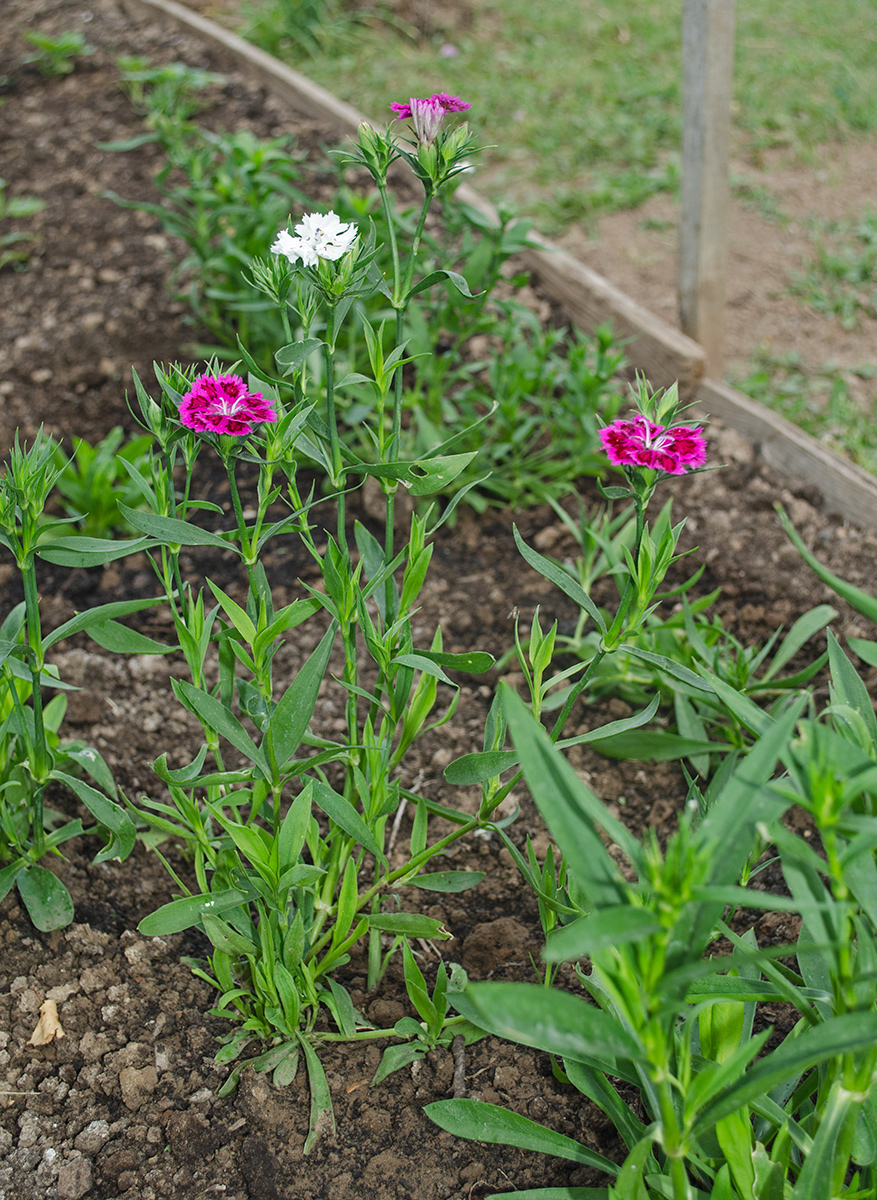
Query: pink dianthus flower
(642, 443)
(427, 115)
(222, 404)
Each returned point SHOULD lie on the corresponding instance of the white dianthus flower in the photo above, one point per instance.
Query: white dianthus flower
(316, 236)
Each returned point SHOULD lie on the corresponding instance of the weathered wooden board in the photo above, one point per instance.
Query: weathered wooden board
(707, 85)
(847, 489)
(662, 352)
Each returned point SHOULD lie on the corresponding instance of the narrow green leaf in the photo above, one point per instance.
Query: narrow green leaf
(239, 619)
(607, 927)
(48, 903)
(224, 937)
(346, 817)
(848, 688)
(446, 881)
(103, 612)
(653, 745)
(119, 639)
(861, 601)
(424, 476)
(396, 1057)
(570, 809)
(409, 924)
(418, 663)
(471, 769)
(290, 719)
(90, 552)
(215, 714)
(550, 1020)
(611, 728)
(438, 277)
(489, 1123)
(186, 912)
(322, 1113)
(295, 354)
(668, 666)
(107, 813)
(171, 531)
(556, 575)
(474, 662)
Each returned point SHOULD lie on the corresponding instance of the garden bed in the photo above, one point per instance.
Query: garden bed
(126, 1103)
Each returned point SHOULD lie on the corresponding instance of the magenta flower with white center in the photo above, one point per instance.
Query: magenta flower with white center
(317, 236)
(427, 115)
(223, 404)
(642, 443)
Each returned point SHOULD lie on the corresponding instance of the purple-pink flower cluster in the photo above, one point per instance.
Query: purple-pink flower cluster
(427, 115)
(642, 443)
(223, 404)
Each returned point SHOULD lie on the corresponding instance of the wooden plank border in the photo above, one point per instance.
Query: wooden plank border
(661, 351)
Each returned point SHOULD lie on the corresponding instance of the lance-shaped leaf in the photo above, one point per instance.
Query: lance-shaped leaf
(119, 639)
(182, 914)
(90, 552)
(550, 1020)
(863, 602)
(345, 815)
(570, 809)
(556, 575)
(93, 616)
(295, 354)
(608, 927)
(216, 716)
(290, 719)
(847, 687)
(484, 1122)
(668, 666)
(476, 768)
(171, 531)
(107, 813)
(654, 745)
(409, 924)
(423, 476)
(474, 662)
(437, 277)
(446, 881)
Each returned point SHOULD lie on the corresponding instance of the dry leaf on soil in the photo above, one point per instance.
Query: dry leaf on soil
(48, 1026)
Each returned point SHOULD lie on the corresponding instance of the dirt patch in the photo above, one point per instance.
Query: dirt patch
(769, 242)
(126, 1103)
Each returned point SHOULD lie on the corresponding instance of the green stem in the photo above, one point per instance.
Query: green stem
(367, 897)
(332, 422)
(394, 245)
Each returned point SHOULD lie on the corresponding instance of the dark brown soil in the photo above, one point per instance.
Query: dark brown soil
(126, 1103)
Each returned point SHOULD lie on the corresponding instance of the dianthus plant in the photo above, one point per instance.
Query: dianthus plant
(289, 824)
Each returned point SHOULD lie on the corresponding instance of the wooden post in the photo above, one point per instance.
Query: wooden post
(707, 81)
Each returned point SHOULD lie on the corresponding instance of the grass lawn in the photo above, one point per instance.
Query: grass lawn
(581, 102)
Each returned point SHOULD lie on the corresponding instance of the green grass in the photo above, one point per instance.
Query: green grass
(822, 404)
(841, 279)
(581, 103)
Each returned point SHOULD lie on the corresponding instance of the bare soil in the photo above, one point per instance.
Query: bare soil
(126, 1103)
